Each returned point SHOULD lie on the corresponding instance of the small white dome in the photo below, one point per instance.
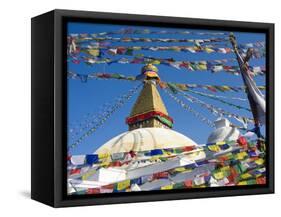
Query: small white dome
(224, 132)
(144, 139)
(222, 122)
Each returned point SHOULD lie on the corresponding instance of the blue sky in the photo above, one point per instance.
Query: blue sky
(86, 99)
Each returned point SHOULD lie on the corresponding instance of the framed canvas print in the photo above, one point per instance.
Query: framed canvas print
(133, 108)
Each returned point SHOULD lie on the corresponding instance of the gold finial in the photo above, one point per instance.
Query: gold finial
(150, 71)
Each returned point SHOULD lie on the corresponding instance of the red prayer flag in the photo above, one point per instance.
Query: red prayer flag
(93, 191)
(242, 141)
(75, 171)
(188, 183)
(261, 180)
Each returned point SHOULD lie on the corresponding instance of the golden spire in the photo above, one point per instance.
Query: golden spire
(149, 109)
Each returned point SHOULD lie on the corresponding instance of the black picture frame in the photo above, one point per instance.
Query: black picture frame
(49, 94)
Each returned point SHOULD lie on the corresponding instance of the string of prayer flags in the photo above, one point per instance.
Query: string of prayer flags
(99, 75)
(123, 185)
(218, 99)
(188, 108)
(89, 120)
(123, 99)
(214, 109)
(216, 96)
(204, 65)
(75, 46)
(212, 88)
(131, 31)
(129, 50)
(184, 87)
(137, 39)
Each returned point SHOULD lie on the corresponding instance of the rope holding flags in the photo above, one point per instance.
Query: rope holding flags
(188, 108)
(106, 115)
(216, 96)
(212, 88)
(218, 99)
(101, 75)
(216, 111)
(131, 31)
(129, 50)
(213, 66)
(90, 120)
(213, 109)
(80, 39)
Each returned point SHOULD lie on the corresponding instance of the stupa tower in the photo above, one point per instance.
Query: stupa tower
(149, 109)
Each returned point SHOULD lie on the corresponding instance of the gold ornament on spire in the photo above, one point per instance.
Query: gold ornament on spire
(149, 109)
(150, 72)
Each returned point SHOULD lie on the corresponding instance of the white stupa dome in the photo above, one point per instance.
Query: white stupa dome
(143, 139)
(223, 132)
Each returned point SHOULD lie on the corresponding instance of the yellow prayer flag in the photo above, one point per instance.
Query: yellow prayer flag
(202, 66)
(94, 52)
(224, 87)
(88, 174)
(214, 148)
(246, 176)
(259, 161)
(167, 187)
(220, 143)
(180, 169)
(201, 186)
(226, 168)
(209, 50)
(103, 155)
(123, 185)
(219, 175)
(241, 155)
(242, 183)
